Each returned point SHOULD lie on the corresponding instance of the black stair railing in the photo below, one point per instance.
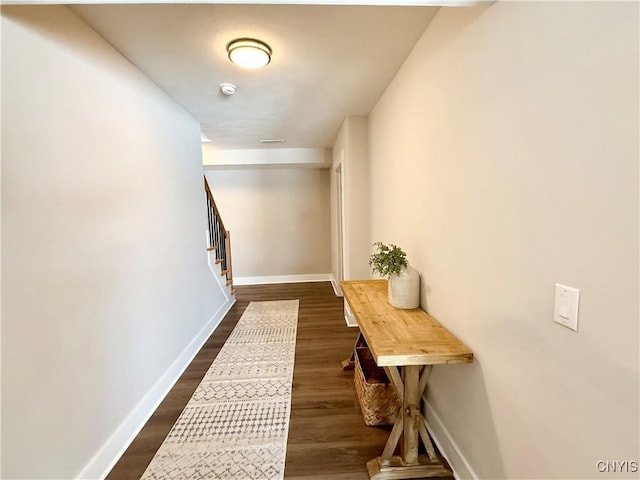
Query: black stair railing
(219, 237)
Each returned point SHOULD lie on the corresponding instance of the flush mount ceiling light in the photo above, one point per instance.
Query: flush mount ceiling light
(249, 52)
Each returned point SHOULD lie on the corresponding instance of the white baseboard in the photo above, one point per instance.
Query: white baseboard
(336, 288)
(104, 460)
(447, 445)
(313, 277)
(349, 317)
(221, 280)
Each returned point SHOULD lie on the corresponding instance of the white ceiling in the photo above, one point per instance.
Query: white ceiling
(328, 62)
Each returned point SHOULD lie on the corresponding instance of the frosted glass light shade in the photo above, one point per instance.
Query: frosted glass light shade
(249, 53)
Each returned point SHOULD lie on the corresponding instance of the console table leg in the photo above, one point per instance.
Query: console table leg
(424, 378)
(408, 430)
(396, 380)
(394, 438)
(422, 429)
(349, 363)
(411, 412)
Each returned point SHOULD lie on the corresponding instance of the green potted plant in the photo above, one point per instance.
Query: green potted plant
(390, 261)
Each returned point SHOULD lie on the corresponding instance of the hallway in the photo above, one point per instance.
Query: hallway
(327, 436)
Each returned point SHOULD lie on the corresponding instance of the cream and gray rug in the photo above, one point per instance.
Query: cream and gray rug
(235, 425)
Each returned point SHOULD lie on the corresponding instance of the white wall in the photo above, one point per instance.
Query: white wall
(278, 219)
(504, 158)
(350, 150)
(104, 275)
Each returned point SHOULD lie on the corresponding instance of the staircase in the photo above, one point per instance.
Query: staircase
(218, 240)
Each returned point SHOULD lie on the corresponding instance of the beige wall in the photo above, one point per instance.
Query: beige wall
(278, 219)
(504, 158)
(105, 283)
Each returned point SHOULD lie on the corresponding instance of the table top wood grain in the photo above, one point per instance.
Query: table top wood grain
(399, 337)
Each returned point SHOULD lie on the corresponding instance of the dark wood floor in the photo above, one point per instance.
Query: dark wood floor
(327, 436)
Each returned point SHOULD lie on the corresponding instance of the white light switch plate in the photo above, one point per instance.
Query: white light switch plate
(565, 311)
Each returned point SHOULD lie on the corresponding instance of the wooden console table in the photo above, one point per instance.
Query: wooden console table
(407, 343)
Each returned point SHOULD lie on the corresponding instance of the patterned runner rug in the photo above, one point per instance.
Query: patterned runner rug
(235, 425)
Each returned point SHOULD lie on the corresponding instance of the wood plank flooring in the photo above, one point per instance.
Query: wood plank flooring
(327, 436)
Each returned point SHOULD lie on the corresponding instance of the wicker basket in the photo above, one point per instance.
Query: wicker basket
(378, 399)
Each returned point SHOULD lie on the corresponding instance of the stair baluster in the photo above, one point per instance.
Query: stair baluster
(219, 237)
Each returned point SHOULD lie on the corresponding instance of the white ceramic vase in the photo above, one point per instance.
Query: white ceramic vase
(404, 289)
